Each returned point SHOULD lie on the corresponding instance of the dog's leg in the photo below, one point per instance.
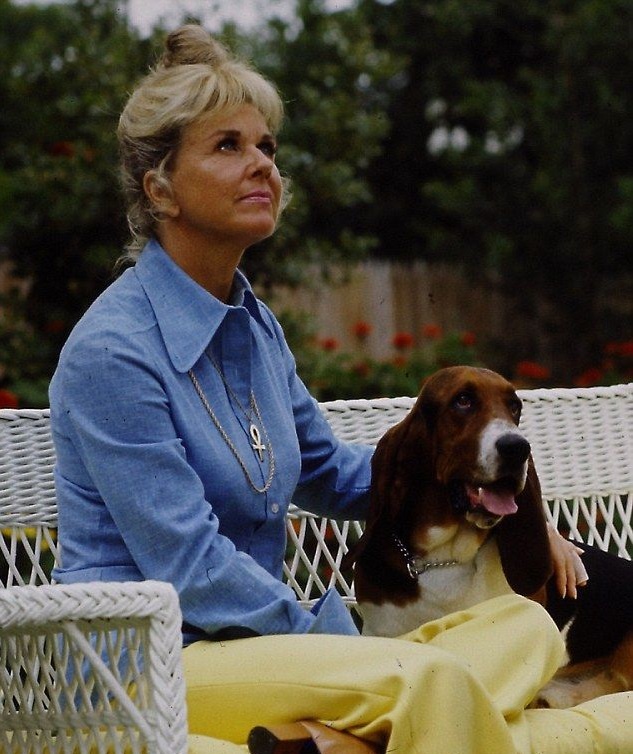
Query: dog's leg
(574, 684)
(622, 662)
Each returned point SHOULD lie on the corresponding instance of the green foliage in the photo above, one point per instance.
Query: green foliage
(332, 78)
(64, 72)
(510, 152)
(489, 132)
(330, 373)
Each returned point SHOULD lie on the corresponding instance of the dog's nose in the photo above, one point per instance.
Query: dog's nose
(513, 448)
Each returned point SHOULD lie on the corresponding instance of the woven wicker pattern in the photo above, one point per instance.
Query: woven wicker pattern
(582, 442)
(27, 456)
(582, 439)
(125, 638)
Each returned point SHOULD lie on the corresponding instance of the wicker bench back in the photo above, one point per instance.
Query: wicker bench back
(582, 440)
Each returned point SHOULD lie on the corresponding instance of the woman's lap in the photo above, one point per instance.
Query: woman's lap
(458, 684)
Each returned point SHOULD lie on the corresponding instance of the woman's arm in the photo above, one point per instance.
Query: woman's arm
(569, 570)
(335, 476)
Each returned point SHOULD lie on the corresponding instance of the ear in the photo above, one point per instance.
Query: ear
(398, 452)
(523, 542)
(387, 485)
(159, 192)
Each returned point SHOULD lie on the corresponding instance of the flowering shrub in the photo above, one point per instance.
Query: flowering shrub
(362, 330)
(529, 372)
(331, 373)
(402, 341)
(616, 366)
(8, 399)
(432, 331)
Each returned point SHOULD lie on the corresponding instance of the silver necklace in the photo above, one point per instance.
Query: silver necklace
(415, 565)
(258, 446)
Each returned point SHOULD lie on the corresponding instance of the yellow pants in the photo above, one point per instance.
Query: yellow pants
(458, 685)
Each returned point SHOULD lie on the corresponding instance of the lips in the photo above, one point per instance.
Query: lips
(257, 197)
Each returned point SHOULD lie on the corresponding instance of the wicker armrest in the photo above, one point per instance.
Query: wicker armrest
(91, 667)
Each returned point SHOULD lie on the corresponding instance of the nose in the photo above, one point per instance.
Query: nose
(261, 163)
(513, 448)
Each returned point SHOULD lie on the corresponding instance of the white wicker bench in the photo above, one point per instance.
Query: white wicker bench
(583, 447)
(48, 633)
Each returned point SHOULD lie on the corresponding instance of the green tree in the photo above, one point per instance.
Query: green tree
(510, 153)
(64, 71)
(331, 77)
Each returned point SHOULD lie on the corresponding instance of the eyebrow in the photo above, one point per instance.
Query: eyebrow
(236, 134)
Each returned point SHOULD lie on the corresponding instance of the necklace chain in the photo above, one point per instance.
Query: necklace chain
(231, 392)
(412, 561)
(254, 431)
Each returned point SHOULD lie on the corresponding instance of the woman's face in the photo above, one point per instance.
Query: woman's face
(226, 188)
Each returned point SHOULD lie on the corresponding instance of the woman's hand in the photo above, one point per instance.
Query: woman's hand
(569, 570)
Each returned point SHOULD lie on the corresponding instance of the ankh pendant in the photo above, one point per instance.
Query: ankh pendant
(257, 445)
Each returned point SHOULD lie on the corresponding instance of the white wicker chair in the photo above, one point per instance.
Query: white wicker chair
(583, 449)
(91, 668)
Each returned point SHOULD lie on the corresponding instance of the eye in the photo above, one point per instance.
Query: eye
(268, 147)
(515, 407)
(228, 144)
(464, 401)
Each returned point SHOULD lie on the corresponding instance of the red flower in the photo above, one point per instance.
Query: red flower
(361, 368)
(589, 377)
(402, 341)
(54, 326)
(329, 344)
(432, 331)
(619, 349)
(8, 399)
(468, 338)
(62, 149)
(362, 330)
(530, 370)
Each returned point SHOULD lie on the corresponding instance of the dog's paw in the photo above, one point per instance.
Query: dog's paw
(569, 687)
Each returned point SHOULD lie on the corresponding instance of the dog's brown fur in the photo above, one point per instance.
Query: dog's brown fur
(417, 467)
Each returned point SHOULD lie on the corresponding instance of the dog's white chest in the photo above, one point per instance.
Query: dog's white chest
(442, 591)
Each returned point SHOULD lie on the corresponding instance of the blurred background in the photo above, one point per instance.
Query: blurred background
(462, 182)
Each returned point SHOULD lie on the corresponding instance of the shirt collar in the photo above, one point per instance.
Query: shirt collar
(187, 315)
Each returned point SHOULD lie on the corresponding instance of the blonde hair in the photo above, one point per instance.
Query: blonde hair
(196, 75)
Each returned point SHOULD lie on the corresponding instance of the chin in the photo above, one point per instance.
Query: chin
(257, 235)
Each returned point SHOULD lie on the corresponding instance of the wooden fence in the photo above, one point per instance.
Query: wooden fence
(395, 298)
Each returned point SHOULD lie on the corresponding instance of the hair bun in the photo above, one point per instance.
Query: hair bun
(190, 45)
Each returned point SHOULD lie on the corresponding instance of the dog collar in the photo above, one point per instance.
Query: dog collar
(416, 565)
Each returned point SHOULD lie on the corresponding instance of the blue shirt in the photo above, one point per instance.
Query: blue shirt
(147, 486)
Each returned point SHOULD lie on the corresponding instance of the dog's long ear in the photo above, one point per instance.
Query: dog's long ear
(523, 542)
(397, 453)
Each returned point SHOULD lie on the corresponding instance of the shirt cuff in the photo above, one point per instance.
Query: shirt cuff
(332, 616)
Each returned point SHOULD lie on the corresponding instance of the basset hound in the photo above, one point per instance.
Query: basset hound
(456, 517)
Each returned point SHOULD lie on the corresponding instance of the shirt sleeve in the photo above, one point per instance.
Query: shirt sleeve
(121, 450)
(335, 476)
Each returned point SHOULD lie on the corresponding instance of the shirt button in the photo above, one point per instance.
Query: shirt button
(274, 508)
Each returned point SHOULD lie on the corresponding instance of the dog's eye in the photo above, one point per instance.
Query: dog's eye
(463, 401)
(515, 406)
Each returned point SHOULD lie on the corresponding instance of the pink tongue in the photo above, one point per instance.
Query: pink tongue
(499, 503)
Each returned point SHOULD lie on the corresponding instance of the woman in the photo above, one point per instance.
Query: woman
(183, 433)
